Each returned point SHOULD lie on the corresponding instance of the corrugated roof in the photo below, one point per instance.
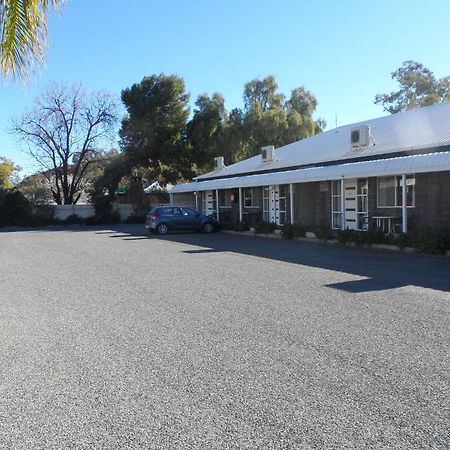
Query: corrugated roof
(417, 129)
(430, 162)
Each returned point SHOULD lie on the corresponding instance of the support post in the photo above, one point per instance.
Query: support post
(217, 205)
(291, 203)
(404, 210)
(240, 204)
(196, 200)
(171, 198)
(342, 204)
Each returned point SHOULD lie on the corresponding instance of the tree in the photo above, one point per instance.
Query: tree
(23, 35)
(269, 119)
(8, 173)
(205, 130)
(152, 138)
(36, 188)
(63, 134)
(264, 92)
(418, 87)
(153, 132)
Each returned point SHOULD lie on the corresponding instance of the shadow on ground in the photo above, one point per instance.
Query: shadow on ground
(382, 270)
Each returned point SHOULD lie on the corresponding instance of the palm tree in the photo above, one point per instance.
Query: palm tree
(23, 35)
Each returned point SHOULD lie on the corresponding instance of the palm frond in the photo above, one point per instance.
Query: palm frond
(23, 36)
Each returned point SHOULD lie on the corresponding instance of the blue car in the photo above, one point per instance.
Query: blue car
(163, 219)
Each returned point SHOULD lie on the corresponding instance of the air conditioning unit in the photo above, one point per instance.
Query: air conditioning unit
(268, 153)
(219, 163)
(360, 137)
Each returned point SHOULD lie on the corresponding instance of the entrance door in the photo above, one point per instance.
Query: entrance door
(208, 203)
(351, 204)
(274, 204)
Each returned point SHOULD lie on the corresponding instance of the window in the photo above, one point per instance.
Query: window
(336, 204)
(266, 204)
(248, 200)
(203, 194)
(362, 204)
(282, 203)
(189, 212)
(223, 198)
(389, 191)
(214, 201)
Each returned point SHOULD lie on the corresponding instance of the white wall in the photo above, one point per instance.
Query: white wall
(185, 199)
(62, 212)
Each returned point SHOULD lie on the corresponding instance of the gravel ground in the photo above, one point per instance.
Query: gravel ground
(112, 339)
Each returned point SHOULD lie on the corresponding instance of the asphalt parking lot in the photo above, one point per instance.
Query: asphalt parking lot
(113, 339)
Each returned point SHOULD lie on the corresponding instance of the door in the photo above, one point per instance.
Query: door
(351, 204)
(274, 204)
(208, 200)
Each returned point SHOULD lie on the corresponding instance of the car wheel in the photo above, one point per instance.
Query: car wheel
(162, 229)
(208, 228)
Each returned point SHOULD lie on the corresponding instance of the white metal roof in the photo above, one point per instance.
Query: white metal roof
(418, 129)
(430, 162)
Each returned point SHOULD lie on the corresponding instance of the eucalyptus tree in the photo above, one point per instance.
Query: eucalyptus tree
(418, 87)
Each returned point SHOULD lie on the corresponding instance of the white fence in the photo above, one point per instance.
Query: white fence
(62, 212)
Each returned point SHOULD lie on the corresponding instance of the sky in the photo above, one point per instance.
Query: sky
(342, 51)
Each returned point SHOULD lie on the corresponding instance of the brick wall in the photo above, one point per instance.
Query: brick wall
(323, 203)
(432, 200)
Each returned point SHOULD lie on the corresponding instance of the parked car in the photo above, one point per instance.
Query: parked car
(163, 219)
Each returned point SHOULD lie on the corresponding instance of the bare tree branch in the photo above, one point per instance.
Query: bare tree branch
(63, 133)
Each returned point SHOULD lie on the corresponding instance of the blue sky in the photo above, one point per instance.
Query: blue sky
(343, 51)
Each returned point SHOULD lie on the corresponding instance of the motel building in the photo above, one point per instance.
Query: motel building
(390, 173)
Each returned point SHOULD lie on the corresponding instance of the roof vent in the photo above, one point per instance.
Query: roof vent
(219, 163)
(268, 153)
(360, 137)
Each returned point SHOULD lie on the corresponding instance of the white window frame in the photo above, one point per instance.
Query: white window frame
(282, 197)
(398, 198)
(248, 190)
(338, 196)
(266, 196)
(359, 195)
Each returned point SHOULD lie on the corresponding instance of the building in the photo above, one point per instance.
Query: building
(391, 173)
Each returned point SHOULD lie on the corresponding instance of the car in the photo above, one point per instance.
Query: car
(163, 219)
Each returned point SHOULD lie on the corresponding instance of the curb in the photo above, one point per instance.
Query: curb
(387, 247)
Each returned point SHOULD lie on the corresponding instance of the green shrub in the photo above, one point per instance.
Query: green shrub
(375, 237)
(360, 238)
(40, 220)
(75, 219)
(15, 209)
(290, 231)
(344, 236)
(240, 226)
(135, 218)
(91, 220)
(108, 218)
(265, 227)
(323, 232)
(429, 242)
